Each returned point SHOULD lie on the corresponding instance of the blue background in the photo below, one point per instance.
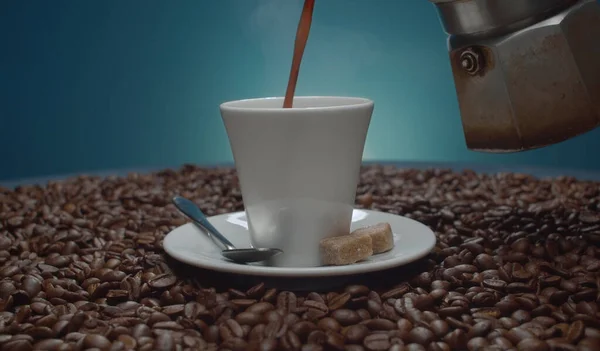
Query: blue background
(91, 85)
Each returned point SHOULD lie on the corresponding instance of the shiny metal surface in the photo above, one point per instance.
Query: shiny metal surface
(531, 87)
(248, 255)
(464, 17)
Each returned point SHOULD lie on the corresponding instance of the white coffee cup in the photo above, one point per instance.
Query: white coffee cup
(298, 169)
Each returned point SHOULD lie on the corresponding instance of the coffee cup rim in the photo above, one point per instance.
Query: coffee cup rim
(343, 103)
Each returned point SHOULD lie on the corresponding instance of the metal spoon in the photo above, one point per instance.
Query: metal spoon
(192, 211)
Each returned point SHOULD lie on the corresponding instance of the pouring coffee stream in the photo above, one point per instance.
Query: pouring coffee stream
(299, 46)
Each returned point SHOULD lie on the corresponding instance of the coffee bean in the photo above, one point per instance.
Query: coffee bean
(533, 345)
(377, 341)
(9, 271)
(17, 345)
(243, 302)
(140, 330)
(404, 325)
(589, 217)
(357, 302)
(589, 344)
(311, 347)
(290, 341)
(396, 292)
(380, 324)
(113, 276)
(287, 301)
(352, 347)
(521, 316)
(236, 294)
(485, 261)
(275, 328)
(128, 341)
(162, 281)
(588, 308)
(231, 329)
(303, 328)
(317, 337)
(58, 261)
(357, 290)
(516, 335)
(506, 306)
(346, 317)
(211, 334)
(329, 323)
(270, 295)
(420, 335)
(340, 300)
(315, 310)
(550, 280)
(334, 340)
(193, 309)
(40, 332)
(560, 344)
(415, 347)
(31, 285)
(592, 333)
(495, 284)
(575, 332)
(355, 334)
(260, 308)
(374, 307)
(439, 328)
(96, 341)
(480, 329)
(477, 343)
(248, 318)
(272, 316)
(501, 342)
(451, 311)
(256, 291)
(235, 344)
(257, 333)
(456, 339)
(316, 297)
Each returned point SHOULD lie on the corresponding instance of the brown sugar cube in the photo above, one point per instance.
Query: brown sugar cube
(381, 235)
(346, 249)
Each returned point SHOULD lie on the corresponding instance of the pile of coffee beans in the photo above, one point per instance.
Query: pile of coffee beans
(515, 268)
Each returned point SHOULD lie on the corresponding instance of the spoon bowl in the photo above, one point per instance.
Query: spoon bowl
(250, 255)
(246, 255)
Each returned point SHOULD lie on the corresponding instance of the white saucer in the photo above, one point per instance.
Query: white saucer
(189, 244)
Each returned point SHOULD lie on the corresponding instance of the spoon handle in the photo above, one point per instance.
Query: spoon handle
(194, 213)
